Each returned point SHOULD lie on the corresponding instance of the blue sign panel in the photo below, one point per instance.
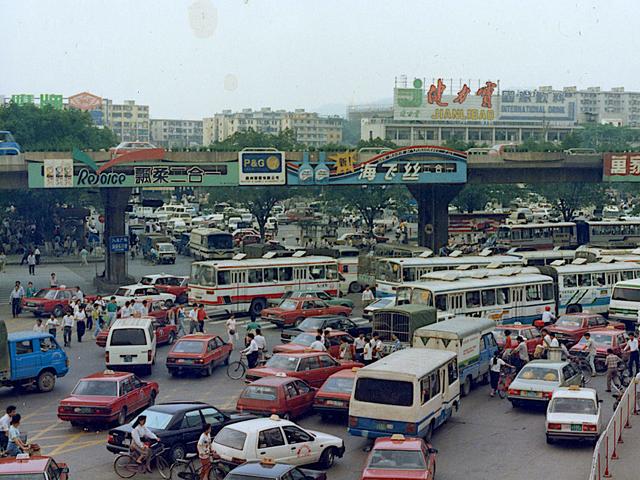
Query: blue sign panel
(119, 244)
(418, 164)
(262, 167)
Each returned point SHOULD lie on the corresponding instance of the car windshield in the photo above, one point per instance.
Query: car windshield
(188, 346)
(311, 323)
(283, 362)
(581, 406)
(48, 294)
(231, 438)
(338, 385)
(397, 460)
(260, 392)
(383, 302)
(96, 387)
(121, 337)
(288, 305)
(305, 339)
(166, 248)
(600, 339)
(568, 322)
(543, 374)
(156, 420)
(122, 292)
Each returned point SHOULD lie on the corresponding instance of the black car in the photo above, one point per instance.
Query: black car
(178, 425)
(353, 326)
(266, 470)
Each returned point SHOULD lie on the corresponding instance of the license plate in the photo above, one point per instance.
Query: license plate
(184, 361)
(127, 358)
(532, 394)
(384, 426)
(82, 410)
(334, 403)
(576, 428)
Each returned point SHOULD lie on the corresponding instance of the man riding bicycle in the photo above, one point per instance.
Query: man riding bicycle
(205, 451)
(139, 434)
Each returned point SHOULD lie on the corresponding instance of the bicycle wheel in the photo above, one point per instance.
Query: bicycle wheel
(235, 370)
(164, 469)
(125, 466)
(182, 471)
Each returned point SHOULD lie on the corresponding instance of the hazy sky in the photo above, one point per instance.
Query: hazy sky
(189, 59)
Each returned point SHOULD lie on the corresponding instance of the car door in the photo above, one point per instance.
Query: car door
(308, 369)
(190, 429)
(306, 394)
(292, 399)
(308, 308)
(220, 351)
(301, 447)
(138, 392)
(26, 359)
(215, 418)
(212, 353)
(271, 444)
(328, 366)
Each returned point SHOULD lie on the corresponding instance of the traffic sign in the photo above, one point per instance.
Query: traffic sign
(119, 244)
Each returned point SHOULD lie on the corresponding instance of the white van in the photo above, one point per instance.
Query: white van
(625, 303)
(411, 392)
(131, 344)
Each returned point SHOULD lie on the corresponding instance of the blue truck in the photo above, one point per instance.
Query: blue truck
(30, 359)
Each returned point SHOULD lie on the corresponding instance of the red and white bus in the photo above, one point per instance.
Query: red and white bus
(246, 285)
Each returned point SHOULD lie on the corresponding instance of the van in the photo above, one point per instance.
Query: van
(624, 305)
(131, 344)
(410, 392)
(471, 338)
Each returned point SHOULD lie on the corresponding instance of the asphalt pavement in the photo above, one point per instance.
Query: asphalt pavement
(486, 439)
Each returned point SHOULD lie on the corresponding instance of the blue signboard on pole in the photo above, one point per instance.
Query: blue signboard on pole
(119, 244)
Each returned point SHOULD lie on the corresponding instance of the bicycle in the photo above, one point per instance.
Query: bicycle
(185, 469)
(126, 466)
(581, 362)
(237, 369)
(507, 374)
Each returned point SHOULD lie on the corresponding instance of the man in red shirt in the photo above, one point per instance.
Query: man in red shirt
(202, 316)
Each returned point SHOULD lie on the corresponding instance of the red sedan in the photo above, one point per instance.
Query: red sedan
(312, 367)
(199, 353)
(531, 335)
(49, 300)
(174, 284)
(303, 341)
(570, 328)
(107, 397)
(293, 311)
(334, 395)
(604, 339)
(284, 396)
(398, 458)
(36, 467)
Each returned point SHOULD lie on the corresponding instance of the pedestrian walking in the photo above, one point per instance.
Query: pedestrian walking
(376, 346)
(180, 317)
(38, 254)
(367, 353)
(31, 291)
(202, 316)
(52, 325)
(590, 347)
(346, 350)
(358, 344)
(39, 327)
(84, 254)
(81, 325)
(612, 362)
(31, 263)
(112, 311)
(367, 297)
(67, 323)
(232, 331)
(632, 348)
(53, 280)
(520, 353)
(494, 371)
(16, 299)
(193, 319)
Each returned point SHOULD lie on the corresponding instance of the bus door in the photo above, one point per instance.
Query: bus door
(239, 281)
(300, 276)
(456, 303)
(518, 303)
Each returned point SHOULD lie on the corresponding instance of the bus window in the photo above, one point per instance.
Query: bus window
(385, 392)
(503, 296)
(271, 274)
(255, 275)
(421, 297)
(285, 274)
(430, 386)
(488, 298)
(441, 303)
(472, 299)
(569, 281)
(599, 279)
(408, 274)
(317, 272)
(533, 293)
(332, 272)
(584, 279)
(628, 275)
(452, 371)
(300, 273)
(547, 291)
(224, 277)
(455, 301)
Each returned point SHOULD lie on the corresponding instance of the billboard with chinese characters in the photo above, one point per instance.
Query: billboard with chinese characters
(622, 167)
(82, 172)
(418, 164)
(261, 167)
(537, 105)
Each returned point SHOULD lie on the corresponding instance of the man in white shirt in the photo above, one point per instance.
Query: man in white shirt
(367, 354)
(31, 261)
(193, 319)
(125, 311)
(358, 345)
(367, 297)
(376, 346)
(590, 347)
(67, 324)
(252, 351)
(139, 433)
(261, 342)
(632, 348)
(547, 316)
(554, 341)
(79, 294)
(205, 451)
(16, 299)
(318, 345)
(39, 326)
(138, 308)
(5, 423)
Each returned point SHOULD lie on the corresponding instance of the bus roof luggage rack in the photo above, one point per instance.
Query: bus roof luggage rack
(487, 252)
(455, 253)
(579, 261)
(239, 256)
(605, 259)
(427, 253)
(299, 253)
(557, 263)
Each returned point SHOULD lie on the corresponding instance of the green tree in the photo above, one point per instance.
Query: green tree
(45, 128)
(377, 143)
(285, 141)
(369, 200)
(571, 197)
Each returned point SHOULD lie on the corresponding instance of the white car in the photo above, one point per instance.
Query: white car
(536, 382)
(574, 413)
(141, 292)
(279, 440)
(386, 302)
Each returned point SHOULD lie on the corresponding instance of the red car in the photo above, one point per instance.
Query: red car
(531, 335)
(398, 458)
(49, 300)
(284, 396)
(175, 284)
(166, 333)
(199, 353)
(570, 328)
(107, 397)
(312, 367)
(36, 467)
(303, 341)
(293, 311)
(604, 339)
(333, 397)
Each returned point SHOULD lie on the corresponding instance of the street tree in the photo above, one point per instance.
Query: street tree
(369, 200)
(568, 198)
(285, 141)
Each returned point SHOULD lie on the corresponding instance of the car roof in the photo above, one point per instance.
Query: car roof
(256, 424)
(142, 322)
(26, 335)
(34, 464)
(546, 364)
(202, 337)
(301, 354)
(346, 373)
(513, 326)
(261, 470)
(408, 443)
(273, 381)
(606, 330)
(409, 361)
(175, 407)
(564, 392)
(332, 333)
(107, 375)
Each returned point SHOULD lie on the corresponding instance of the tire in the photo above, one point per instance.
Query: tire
(178, 452)
(209, 370)
(122, 416)
(328, 458)
(120, 466)
(429, 433)
(182, 471)
(58, 311)
(235, 370)
(465, 388)
(163, 467)
(172, 338)
(46, 381)
(257, 305)
(355, 287)
(575, 308)
(152, 398)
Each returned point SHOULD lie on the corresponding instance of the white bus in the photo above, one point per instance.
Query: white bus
(392, 272)
(210, 243)
(625, 303)
(538, 236)
(609, 233)
(543, 257)
(246, 284)
(506, 296)
(410, 392)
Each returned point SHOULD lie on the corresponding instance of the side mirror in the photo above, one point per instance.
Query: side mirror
(433, 450)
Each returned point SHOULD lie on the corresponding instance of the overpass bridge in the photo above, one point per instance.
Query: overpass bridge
(432, 198)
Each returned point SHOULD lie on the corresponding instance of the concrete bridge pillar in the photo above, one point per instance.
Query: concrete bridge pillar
(433, 213)
(115, 203)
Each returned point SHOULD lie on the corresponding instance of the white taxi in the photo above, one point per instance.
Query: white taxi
(277, 439)
(574, 413)
(141, 292)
